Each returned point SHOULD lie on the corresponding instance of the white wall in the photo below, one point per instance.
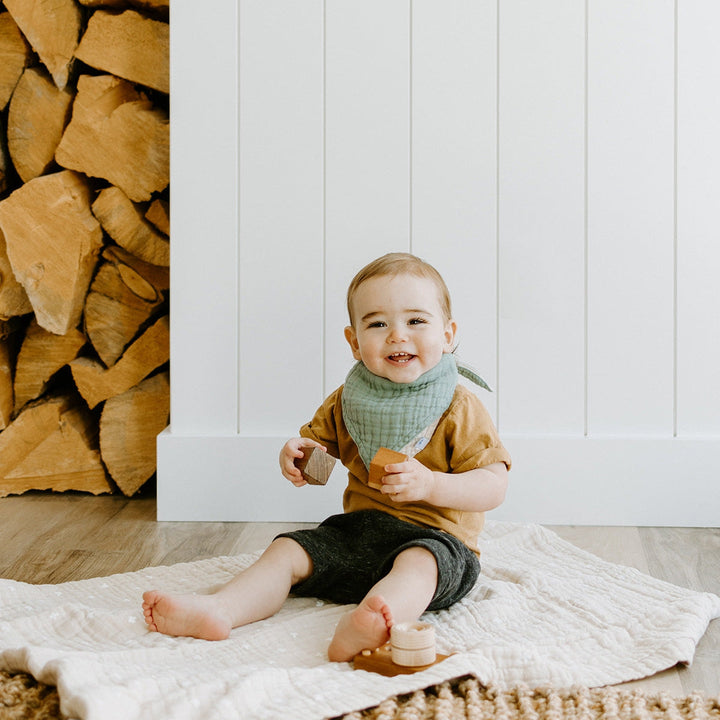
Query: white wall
(557, 161)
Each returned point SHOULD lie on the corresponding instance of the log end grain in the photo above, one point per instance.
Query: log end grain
(128, 45)
(115, 133)
(53, 241)
(129, 426)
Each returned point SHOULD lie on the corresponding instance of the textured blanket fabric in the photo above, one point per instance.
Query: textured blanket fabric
(542, 612)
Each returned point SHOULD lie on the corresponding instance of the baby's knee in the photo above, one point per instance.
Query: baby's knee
(292, 552)
(420, 559)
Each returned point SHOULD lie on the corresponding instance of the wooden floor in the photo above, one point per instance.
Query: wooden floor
(46, 538)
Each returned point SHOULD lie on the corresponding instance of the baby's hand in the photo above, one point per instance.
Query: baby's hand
(408, 481)
(293, 449)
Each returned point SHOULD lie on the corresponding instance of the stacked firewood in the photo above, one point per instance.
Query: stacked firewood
(84, 243)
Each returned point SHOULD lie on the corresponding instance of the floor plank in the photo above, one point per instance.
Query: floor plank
(690, 557)
(51, 538)
(621, 545)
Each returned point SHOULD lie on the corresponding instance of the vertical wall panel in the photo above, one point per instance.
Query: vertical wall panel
(631, 216)
(542, 216)
(454, 112)
(367, 181)
(698, 251)
(203, 337)
(281, 213)
(374, 128)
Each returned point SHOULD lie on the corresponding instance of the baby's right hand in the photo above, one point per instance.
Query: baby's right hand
(292, 450)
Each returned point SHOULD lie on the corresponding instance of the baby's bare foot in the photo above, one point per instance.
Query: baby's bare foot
(198, 616)
(367, 626)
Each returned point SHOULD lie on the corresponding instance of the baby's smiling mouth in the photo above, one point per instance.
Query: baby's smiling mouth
(400, 357)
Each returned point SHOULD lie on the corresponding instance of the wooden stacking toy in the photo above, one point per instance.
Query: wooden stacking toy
(413, 644)
(383, 457)
(316, 465)
(410, 650)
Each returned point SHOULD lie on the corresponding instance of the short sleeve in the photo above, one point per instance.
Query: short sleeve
(323, 426)
(470, 435)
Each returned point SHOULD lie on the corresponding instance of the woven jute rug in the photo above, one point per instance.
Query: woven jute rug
(23, 698)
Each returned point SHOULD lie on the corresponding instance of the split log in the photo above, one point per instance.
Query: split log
(53, 30)
(123, 296)
(14, 56)
(159, 215)
(6, 384)
(115, 133)
(13, 298)
(51, 445)
(147, 353)
(37, 117)
(42, 354)
(10, 337)
(125, 223)
(129, 426)
(53, 241)
(161, 7)
(157, 275)
(128, 45)
(4, 159)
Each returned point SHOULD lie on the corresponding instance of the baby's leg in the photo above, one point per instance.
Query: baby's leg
(401, 596)
(256, 593)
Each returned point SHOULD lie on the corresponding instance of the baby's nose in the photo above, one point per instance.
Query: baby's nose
(397, 334)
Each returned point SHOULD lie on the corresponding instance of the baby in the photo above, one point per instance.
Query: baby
(409, 546)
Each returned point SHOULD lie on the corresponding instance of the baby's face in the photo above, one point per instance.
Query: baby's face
(398, 330)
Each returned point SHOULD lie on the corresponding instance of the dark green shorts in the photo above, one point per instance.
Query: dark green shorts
(352, 551)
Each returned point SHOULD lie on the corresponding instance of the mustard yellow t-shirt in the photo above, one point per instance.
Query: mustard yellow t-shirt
(465, 439)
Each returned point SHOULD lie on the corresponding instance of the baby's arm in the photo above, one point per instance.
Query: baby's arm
(476, 490)
(293, 449)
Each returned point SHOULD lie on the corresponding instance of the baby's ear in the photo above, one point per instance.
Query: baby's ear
(351, 337)
(450, 331)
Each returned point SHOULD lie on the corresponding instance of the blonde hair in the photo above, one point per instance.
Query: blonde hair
(397, 263)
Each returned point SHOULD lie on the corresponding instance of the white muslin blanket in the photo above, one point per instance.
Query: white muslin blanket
(542, 612)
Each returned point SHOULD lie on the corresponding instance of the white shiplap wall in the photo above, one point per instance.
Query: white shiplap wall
(558, 161)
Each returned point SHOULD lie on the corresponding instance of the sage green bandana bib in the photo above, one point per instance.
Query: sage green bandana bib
(381, 413)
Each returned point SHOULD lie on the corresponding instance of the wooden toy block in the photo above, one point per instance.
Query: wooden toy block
(380, 661)
(383, 457)
(315, 466)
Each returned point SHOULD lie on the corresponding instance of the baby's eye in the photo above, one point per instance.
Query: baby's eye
(417, 321)
(377, 324)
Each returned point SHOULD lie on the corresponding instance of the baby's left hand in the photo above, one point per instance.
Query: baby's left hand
(407, 481)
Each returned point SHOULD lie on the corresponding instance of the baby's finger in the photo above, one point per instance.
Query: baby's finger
(290, 471)
(392, 488)
(398, 495)
(395, 468)
(294, 476)
(396, 478)
(308, 443)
